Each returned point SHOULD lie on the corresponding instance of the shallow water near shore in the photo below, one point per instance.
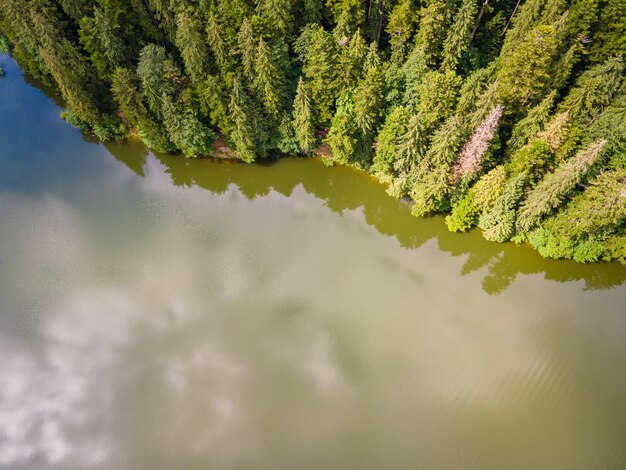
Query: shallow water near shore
(157, 312)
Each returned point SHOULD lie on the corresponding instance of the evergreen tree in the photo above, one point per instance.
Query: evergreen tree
(303, 122)
(126, 93)
(523, 76)
(269, 80)
(214, 101)
(277, 15)
(215, 38)
(458, 38)
(432, 31)
(610, 39)
(343, 137)
(351, 60)
(555, 187)
(77, 9)
(152, 74)
(247, 49)
(400, 28)
(242, 133)
(185, 130)
(74, 77)
(531, 124)
(192, 45)
(368, 98)
(388, 142)
(594, 90)
(321, 70)
(498, 223)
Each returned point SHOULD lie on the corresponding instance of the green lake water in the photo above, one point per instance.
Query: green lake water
(162, 313)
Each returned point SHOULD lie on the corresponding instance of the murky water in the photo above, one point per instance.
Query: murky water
(167, 314)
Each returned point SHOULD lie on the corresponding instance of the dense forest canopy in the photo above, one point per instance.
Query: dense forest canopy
(509, 115)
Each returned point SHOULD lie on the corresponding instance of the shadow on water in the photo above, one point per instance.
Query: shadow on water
(345, 189)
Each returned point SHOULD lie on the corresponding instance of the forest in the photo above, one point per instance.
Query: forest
(506, 115)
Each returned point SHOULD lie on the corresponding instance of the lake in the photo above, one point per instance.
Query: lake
(164, 313)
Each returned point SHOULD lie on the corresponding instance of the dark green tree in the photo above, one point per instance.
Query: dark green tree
(191, 42)
(303, 121)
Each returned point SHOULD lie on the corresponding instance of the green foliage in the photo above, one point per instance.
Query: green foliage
(5, 45)
(303, 122)
(488, 188)
(593, 90)
(464, 215)
(368, 100)
(152, 74)
(243, 124)
(588, 228)
(610, 39)
(126, 93)
(532, 159)
(458, 38)
(321, 64)
(191, 136)
(74, 120)
(524, 75)
(437, 94)
(192, 45)
(400, 28)
(247, 48)
(498, 223)
(432, 31)
(269, 80)
(276, 15)
(388, 142)
(215, 39)
(531, 124)
(556, 186)
(351, 59)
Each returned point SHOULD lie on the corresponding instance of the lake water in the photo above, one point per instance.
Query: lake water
(161, 313)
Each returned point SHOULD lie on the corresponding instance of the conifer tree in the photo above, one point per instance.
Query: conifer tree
(555, 187)
(342, 137)
(470, 158)
(351, 59)
(432, 31)
(74, 77)
(127, 95)
(388, 142)
(215, 38)
(152, 74)
(459, 35)
(242, 133)
(531, 124)
(247, 48)
(214, 101)
(269, 80)
(192, 45)
(400, 28)
(368, 97)
(191, 136)
(522, 22)
(16, 24)
(77, 9)
(593, 90)
(303, 122)
(524, 75)
(277, 15)
(610, 39)
(498, 223)
(321, 70)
